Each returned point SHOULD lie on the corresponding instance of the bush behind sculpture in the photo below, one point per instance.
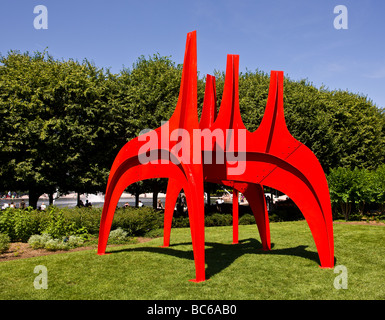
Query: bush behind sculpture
(20, 225)
(45, 241)
(4, 242)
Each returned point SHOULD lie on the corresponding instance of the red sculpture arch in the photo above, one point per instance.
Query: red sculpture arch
(244, 160)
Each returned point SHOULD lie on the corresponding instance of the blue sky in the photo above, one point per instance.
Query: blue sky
(296, 36)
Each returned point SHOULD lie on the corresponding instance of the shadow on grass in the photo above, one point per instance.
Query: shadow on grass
(219, 256)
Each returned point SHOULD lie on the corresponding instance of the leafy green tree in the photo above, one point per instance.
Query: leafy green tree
(55, 129)
(379, 186)
(342, 129)
(349, 188)
(341, 186)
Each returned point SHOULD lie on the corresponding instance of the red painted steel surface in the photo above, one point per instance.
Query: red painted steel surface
(271, 157)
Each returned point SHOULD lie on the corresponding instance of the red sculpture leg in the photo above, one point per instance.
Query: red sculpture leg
(131, 172)
(194, 197)
(235, 216)
(173, 190)
(255, 196)
(307, 190)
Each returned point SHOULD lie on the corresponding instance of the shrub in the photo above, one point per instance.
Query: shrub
(23, 226)
(289, 213)
(45, 241)
(75, 241)
(82, 233)
(246, 219)
(37, 241)
(218, 219)
(118, 234)
(4, 242)
(356, 191)
(137, 221)
(56, 225)
(6, 223)
(180, 222)
(56, 244)
(18, 224)
(88, 218)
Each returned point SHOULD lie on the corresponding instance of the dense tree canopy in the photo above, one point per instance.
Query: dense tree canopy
(56, 124)
(342, 129)
(63, 122)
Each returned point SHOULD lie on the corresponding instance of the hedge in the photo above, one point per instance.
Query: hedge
(20, 224)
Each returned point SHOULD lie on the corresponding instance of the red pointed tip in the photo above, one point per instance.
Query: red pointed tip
(192, 34)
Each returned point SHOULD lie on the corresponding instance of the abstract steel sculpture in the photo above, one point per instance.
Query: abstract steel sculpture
(244, 160)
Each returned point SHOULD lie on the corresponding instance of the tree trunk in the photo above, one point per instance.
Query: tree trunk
(361, 207)
(137, 199)
(155, 199)
(50, 196)
(346, 208)
(33, 196)
(208, 191)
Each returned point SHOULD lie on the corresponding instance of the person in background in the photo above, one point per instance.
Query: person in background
(22, 204)
(159, 205)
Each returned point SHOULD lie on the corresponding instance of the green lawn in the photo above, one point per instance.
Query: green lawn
(147, 271)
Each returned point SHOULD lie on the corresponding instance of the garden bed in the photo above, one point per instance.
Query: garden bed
(21, 250)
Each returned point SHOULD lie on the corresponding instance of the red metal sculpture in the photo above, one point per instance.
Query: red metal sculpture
(220, 149)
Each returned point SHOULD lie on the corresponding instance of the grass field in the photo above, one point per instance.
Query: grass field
(147, 271)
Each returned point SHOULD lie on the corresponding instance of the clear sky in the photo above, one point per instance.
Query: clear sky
(296, 36)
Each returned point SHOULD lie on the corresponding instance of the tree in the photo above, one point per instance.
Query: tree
(137, 189)
(379, 187)
(55, 130)
(351, 187)
(342, 129)
(26, 148)
(341, 184)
